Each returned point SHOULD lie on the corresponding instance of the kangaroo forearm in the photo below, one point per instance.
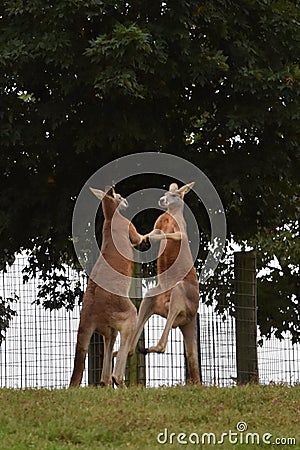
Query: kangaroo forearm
(134, 236)
(177, 236)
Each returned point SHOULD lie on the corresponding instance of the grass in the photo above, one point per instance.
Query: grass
(91, 418)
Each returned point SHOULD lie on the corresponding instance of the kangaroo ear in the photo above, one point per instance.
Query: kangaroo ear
(173, 187)
(186, 188)
(109, 190)
(99, 194)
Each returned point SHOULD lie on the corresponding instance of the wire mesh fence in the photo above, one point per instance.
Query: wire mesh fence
(36, 349)
(167, 368)
(217, 343)
(279, 361)
(39, 346)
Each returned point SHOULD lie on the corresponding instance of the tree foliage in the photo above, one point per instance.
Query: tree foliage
(216, 82)
(6, 314)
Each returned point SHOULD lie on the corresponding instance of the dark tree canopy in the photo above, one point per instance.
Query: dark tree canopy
(216, 82)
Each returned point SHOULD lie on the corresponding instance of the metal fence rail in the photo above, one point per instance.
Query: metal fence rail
(39, 347)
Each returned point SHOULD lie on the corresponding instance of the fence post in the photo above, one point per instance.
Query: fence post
(246, 317)
(198, 352)
(95, 359)
(96, 345)
(136, 364)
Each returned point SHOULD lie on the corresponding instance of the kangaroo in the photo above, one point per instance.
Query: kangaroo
(103, 310)
(176, 296)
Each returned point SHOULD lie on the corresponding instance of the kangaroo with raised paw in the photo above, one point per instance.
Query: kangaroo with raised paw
(109, 311)
(176, 296)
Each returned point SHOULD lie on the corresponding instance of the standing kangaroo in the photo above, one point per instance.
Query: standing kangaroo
(109, 311)
(176, 296)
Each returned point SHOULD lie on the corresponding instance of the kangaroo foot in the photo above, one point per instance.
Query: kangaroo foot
(155, 349)
(119, 382)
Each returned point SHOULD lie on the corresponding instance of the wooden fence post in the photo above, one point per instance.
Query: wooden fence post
(136, 364)
(95, 359)
(96, 345)
(198, 351)
(246, 317)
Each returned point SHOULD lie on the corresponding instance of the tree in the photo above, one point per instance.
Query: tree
(6, 314)
(83, 82)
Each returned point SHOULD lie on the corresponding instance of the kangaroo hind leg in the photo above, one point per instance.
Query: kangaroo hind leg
(176, 308)
(189, 332)
(83, 339)
(119, 369)
(145, 312)
(109, 341)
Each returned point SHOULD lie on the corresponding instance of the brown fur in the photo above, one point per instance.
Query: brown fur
(176, 297)
(103, 311)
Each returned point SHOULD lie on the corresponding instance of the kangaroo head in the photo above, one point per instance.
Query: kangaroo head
(109, 195)
(173, 198)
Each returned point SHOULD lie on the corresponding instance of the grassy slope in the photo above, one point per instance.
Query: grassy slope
(90, 418)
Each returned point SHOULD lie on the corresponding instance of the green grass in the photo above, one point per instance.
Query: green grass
(91, 418)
